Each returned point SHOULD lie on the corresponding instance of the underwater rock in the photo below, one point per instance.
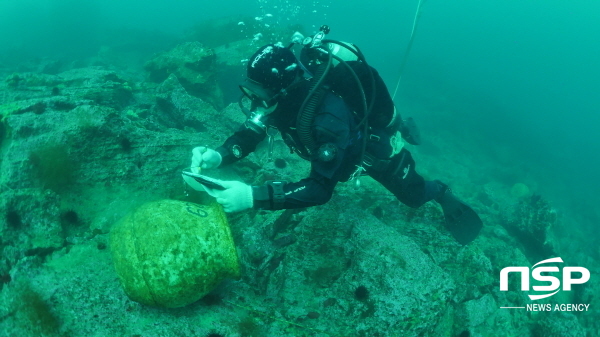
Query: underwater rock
(32, 313)
(382, 282)
(170, 253)
(195, 67)
(559, 324)
(477, 311)
(31, 80)
(531, 224)
(31, 221)
(520, 190)
(98, 86)
(482, 317)
(91, 152)
(178, 109)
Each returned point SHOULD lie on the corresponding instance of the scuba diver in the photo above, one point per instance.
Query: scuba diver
(334, 110)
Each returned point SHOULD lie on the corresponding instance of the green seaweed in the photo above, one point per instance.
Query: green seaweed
(13, 81)
(250, 327)
(53, 167)
(13, 219)
(35, 314)
(8, 109)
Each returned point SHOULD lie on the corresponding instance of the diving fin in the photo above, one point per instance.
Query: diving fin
(461, 220)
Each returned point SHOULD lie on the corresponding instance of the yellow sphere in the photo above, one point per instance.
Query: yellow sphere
(171, 253)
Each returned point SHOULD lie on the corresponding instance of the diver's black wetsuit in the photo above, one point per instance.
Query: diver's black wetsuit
(335, 123)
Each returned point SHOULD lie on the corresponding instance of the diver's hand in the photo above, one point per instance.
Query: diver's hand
(236, 196)
(203, 157)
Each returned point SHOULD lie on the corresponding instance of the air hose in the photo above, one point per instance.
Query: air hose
(317, 92)
(366, 107)
(309, 107)
(360, 57)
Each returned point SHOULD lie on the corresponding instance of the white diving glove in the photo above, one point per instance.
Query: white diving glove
(203, 157)
(236, 197)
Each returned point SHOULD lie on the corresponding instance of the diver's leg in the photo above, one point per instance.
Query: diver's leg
(401, 178)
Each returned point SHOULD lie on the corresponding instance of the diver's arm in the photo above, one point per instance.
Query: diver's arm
(240, 144)
(312, 191)
(332, 127)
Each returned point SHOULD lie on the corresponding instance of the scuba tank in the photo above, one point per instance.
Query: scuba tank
(323, 58)
(332, 63)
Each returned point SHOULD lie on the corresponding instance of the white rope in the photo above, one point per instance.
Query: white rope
(407, 52)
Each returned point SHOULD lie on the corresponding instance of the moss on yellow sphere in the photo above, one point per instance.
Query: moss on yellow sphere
(171, 253)
(520, 190)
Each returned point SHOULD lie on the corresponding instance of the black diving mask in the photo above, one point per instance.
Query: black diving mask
(256, 103)
(256, 96)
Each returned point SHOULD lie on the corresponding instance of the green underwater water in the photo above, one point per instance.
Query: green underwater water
(505, 94)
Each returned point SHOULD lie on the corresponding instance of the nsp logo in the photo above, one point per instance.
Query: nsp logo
(553, 288)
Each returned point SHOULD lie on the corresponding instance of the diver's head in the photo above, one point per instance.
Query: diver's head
(271, 71)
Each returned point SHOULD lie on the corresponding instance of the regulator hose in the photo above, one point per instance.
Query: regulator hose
(309, 107)
(367, 107)
(317, 91)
